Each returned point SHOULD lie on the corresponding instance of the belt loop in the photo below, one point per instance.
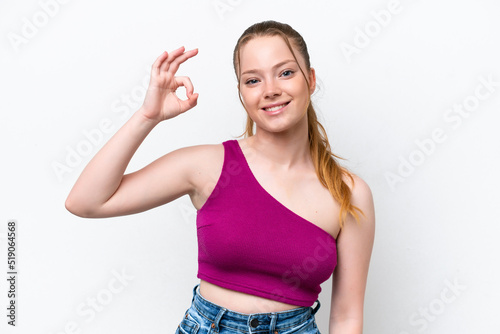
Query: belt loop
(215, 324)
(316, 308)
(272, 324)
(194, 291)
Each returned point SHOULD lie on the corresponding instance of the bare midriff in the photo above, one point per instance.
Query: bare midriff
(239, 301)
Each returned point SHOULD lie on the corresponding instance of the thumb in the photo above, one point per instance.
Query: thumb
(191, 102)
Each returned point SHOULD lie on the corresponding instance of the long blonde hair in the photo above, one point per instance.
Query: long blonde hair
(329, 172)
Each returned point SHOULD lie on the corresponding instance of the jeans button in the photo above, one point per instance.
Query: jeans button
(254, 323)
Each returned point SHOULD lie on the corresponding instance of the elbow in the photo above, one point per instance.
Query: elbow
(72, 206)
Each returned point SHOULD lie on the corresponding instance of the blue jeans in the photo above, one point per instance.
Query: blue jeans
(205, 317)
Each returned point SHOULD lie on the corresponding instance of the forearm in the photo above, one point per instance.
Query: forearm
(103, 174)
(348, 326)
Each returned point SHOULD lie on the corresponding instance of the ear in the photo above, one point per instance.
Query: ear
(312, 80)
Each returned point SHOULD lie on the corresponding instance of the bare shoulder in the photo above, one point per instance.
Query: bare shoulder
(205, 164)
(201, 152)
(361, 194)
(357, 185)
(201, 159)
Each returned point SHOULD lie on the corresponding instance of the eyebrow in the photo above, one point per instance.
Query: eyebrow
(275, 66)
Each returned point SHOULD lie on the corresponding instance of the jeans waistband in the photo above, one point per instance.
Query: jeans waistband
(219, 314)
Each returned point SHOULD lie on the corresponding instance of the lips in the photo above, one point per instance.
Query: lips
(276, 106)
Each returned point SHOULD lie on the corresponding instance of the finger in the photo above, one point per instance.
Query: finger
(174, 66)
(171, 56)
(191, 102)
(192, 98)
(159, 61)
(186, 83)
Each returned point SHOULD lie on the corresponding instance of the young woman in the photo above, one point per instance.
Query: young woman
(283, 215)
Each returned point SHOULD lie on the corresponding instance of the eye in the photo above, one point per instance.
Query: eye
(251, 81)
(287, 73)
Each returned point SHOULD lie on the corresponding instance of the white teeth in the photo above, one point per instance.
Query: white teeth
(275, 108)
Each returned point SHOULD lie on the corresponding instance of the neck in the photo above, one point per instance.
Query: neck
(285, 150)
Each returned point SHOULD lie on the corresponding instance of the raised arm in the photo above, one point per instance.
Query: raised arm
(354, 247)
(102, 190)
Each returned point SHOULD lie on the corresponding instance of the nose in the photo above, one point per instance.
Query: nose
(272, 89)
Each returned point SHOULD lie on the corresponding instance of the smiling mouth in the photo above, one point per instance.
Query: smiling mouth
(276, 107)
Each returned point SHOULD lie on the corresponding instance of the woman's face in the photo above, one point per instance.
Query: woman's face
(272, 87)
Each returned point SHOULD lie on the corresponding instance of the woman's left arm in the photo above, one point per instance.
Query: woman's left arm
(354, 248)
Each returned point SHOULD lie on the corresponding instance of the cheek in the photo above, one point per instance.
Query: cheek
(296, 86)
(250, 96)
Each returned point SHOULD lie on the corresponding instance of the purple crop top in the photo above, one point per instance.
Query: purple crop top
(250, 242)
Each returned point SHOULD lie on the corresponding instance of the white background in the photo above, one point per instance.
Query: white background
(74, 71)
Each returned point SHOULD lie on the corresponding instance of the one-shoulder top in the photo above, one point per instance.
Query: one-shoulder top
(250, 242)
